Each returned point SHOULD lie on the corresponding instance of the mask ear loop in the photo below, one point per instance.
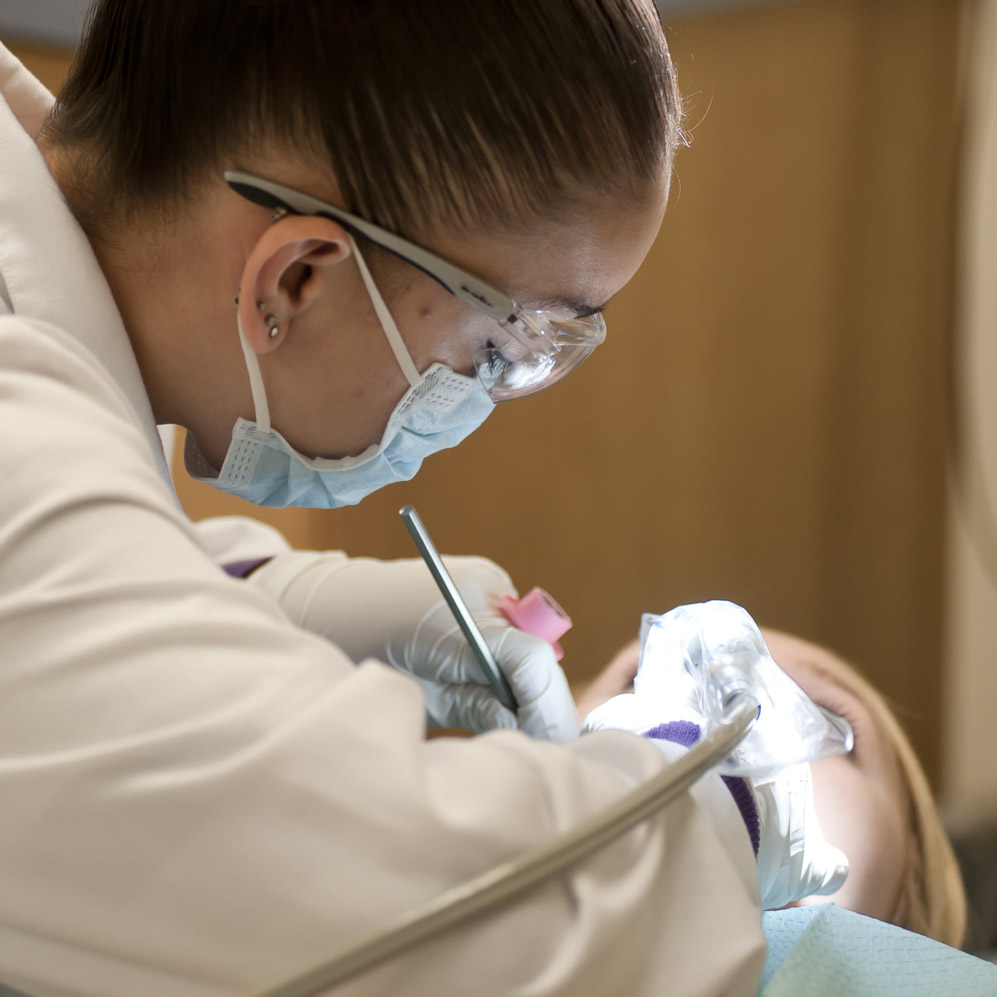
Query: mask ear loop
(262, 409)
(391, 332)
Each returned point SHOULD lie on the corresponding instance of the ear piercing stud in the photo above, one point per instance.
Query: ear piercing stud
(273, 326)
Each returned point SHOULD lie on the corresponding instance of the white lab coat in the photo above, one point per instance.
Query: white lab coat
(196, 797)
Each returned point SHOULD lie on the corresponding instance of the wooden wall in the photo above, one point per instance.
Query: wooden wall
(766, 420)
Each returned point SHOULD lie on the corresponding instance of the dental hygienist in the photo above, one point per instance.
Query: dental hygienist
(208, 782)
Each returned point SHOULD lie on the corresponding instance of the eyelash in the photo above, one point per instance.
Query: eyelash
(837, 706)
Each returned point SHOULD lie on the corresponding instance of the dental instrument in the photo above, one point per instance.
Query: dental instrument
(457, 606)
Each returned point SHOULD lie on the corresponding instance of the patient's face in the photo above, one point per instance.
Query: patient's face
(861, 799)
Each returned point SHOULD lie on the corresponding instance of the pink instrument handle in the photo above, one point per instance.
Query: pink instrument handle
(538, 614)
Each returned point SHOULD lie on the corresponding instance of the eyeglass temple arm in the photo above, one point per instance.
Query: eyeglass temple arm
(463, 285)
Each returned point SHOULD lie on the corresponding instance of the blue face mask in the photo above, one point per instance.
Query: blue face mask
(439, 409)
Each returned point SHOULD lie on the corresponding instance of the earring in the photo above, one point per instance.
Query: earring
(273, 326)
(277, 214)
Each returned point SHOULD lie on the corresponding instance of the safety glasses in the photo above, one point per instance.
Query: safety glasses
(531, 350)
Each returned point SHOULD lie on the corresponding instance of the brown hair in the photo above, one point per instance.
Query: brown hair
(426, 112)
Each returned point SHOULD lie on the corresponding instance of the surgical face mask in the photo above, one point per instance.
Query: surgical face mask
(439, 409)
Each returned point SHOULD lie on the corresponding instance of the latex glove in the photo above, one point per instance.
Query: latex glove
(393, 611)
(629, 712)
(794, 858)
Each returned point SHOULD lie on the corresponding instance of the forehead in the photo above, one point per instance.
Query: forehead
(830, 681)
(801, 659)
(825, 669)
(822, 675)
(574, 262)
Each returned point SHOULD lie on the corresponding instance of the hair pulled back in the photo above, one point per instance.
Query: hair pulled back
(426, 113)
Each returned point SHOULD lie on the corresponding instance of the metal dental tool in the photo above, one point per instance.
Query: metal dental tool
(457, 606)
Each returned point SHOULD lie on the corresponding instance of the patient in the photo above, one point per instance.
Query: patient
(874, 804)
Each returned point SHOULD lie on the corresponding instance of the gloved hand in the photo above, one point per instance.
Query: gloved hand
(393, 611)
(794, 858)
(628, 711)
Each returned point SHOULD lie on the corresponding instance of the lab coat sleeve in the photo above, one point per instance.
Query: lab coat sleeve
(229, 539)
(199, 799)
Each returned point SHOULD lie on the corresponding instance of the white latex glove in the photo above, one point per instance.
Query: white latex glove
(393, 611)
(629, 712)
(795, 860)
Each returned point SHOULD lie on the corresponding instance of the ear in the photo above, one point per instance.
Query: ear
(283, 274)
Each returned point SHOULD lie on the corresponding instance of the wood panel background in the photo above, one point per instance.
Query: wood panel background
(766, 420)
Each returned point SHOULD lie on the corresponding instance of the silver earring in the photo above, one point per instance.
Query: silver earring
(277, 214)
(273, 328)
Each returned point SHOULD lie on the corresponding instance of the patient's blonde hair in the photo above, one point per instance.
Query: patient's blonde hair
(932, 898)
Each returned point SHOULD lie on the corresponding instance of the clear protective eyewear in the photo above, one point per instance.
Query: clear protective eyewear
(535, 348)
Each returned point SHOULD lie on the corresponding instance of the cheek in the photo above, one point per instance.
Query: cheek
(437, 328)
(858, 816)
